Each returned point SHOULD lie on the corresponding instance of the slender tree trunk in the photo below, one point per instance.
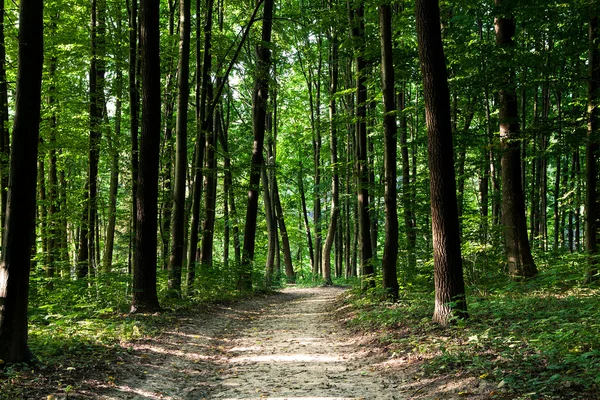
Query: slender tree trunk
(178, 225)
(364, 223)
(259, 110)
(520, 261)
(271, 229)
(305, 214)
(97, 70)
(591, 153)
(114, 179)
(559, 173)
(285, 241)
(21, 202)
(144, 267)
(335, 179)
(390, 142)
(4, 134)
(203, 88)
(167, 156)
(210, 186)
(133, 119)
(450, 298)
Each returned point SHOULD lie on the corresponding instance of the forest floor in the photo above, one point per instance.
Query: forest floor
(290, 345)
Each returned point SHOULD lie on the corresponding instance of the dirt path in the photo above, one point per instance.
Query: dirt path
(278, 347)
(284, 346)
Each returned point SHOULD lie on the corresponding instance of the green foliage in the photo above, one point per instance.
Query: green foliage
(533, 339)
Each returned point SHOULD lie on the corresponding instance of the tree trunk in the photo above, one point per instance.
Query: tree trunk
(4, 134)
(144, 267)
(203, 87)
(259, 111)
(285, 241)
(271, 229)
(520, 261)
(178, 225)
(335, 178)
(450, 298)
(591, 153)
(364, 223)
(20, 212)
(97, 70)
(133, 119)
(390, 142)
(210, 187)
(305, 215)
(114, 172)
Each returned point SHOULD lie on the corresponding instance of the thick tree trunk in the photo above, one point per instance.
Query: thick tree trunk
(259, 113)
(20, 216)
(144, 267)
(178, 225)
(450, 298)
(390, 142)
(520, 261)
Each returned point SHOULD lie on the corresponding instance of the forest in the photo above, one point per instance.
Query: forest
(441, 157)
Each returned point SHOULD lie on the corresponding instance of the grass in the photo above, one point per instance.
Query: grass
(534, 339)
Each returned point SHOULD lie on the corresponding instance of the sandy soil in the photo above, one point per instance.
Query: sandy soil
(285, 346)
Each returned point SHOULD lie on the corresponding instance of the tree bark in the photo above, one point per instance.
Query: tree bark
(144, 267)
(390, 142)
(178, 225)
(285, 240)
(592, 146)
(364, 223)
(259, 110)
(520, 261)
(450, 298)
(20, 216)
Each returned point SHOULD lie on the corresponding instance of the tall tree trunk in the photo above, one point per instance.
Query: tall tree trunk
(178, 225)
(259, 111)
(114, 153)
(559, 173)
(335, 178)
(591, 153)
(20, 211)
(228, 185)
(167, 156)
(133, 119)
(97, 70)
(144, 267)
(4, 134)
(210, 187)
(450, 298)
(53, 201)
(520, 261)
(203, 87)
(390, 142)
(364, 223)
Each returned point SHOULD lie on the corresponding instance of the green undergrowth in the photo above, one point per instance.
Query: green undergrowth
(538, 338)
(85, 325)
